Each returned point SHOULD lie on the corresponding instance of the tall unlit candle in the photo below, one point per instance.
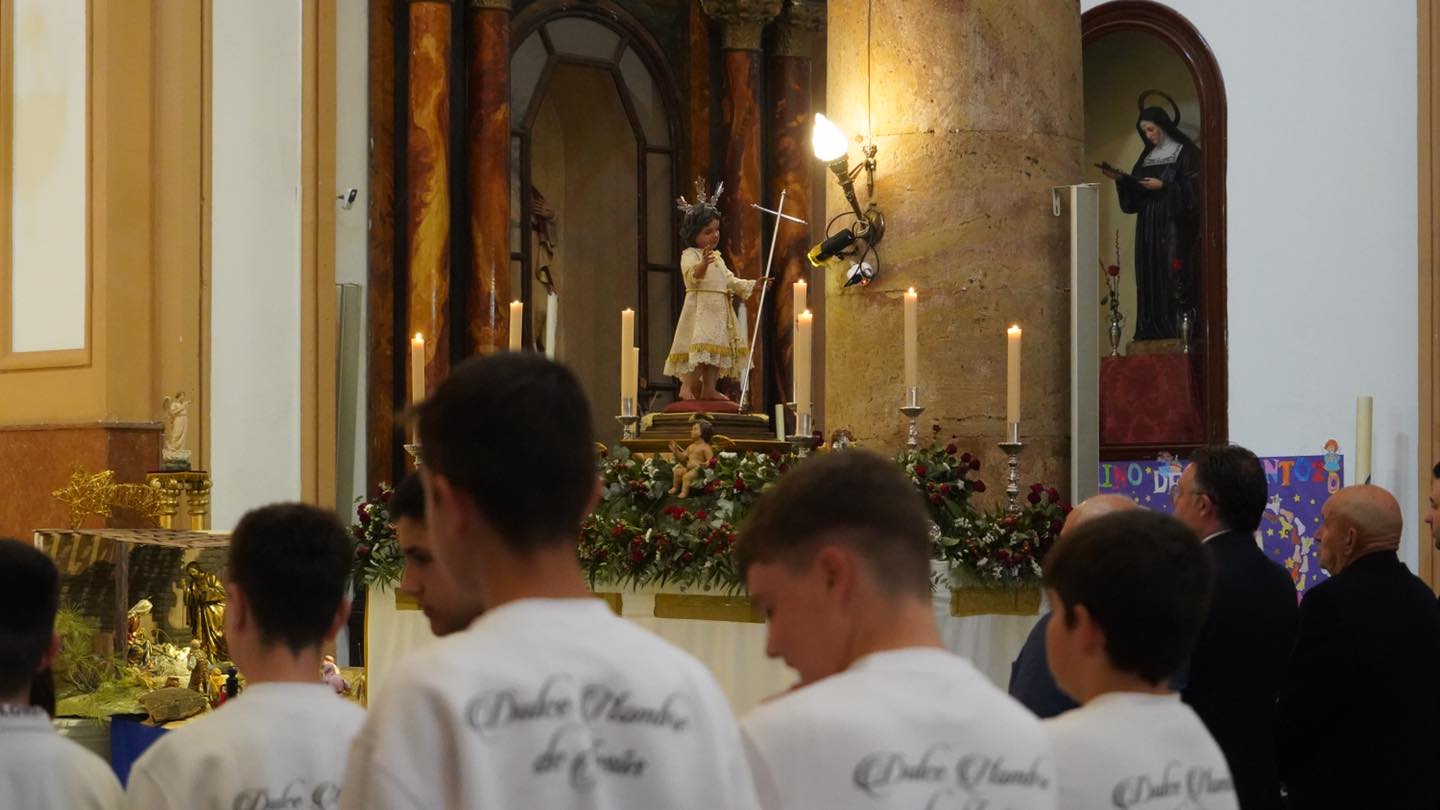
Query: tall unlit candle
(627, 341)
(1012, 376)
(801, 292)
(634, 390)
(552, 323)
(912, 332)
(803, 326)
(779, 423)
(1364, 428)
(517, 318)
(417, 368)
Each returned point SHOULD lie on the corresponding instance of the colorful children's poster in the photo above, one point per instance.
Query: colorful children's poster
(1299, 487)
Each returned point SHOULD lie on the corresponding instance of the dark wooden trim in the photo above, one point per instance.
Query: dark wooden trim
(1181, 36)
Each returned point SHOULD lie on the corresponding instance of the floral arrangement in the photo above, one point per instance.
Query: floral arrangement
(378, 560)
(639, 536)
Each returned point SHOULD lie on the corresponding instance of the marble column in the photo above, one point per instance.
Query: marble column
(427, 183)
(792, 162)
(977, 113)
(490, 294)
(741, 60)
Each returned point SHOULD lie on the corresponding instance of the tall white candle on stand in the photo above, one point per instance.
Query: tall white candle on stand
(779, 423)
(552, 322)
(803, 326)
(1012, 379)
(1364, 429)
(912, 350)
(627, 341)
(800, 291)
(517, 318)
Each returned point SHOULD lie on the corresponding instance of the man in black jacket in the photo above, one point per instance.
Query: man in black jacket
(1239, 661)
(1359, 710)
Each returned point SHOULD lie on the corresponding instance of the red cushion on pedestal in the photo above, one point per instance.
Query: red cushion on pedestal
(1152, 399)
(702, 406)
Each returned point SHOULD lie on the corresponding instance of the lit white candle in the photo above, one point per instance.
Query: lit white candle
(552, 323)
(1364, 429)
(417, 368)
(1012, 376)
(803, 326)
(801, 292)
(517, 316)
(912, 331)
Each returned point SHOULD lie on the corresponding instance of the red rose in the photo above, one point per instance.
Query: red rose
(363, 511)
(616, 532)
(1053, 495)
(739, 485)
(776, 456)
(1034, 497)
(974, 463)
(687, 557)
(935, 499)
(977, 486)
(713, 461)
(951, 449)
(965, 458)
(637, 540)
(601, 554)
(920, 470)
(1056, 526)
(385, 495)
(1009, 521)
(1037, 487)
(944, 489)
(363, 551)
(1113, 270)
(701, 514)
(637, 555)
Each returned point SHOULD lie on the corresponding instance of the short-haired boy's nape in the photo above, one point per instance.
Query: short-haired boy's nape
(512, 430)
(853, 497)
(29, 599)
(407, 500)
(1234, 479)
(1145, 579)
(292, 562)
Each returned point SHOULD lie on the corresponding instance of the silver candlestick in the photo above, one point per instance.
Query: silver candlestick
(414, 450)
(803, 437)
(627, 419)
(912, 410)
(1012, 447)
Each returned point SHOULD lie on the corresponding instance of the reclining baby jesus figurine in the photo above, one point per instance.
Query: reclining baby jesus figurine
(695, 457)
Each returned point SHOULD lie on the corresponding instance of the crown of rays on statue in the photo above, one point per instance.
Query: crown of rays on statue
(713, 201)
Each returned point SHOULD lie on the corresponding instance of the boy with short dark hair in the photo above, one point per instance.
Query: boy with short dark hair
(837, 557)
(548, 699)
(1130, 591)
(448, 607)
(39, 769)
(282, 741)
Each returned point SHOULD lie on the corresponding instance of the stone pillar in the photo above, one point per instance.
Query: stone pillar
(427, 182)
(792, 162)
(743, 21)
(490, 295)
(977, 113)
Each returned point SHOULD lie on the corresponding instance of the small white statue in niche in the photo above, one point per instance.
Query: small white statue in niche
(175, 455)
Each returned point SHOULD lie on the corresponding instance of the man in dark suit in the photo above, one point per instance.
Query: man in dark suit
(1359, 710)
(1030, 680)
(1240, 658)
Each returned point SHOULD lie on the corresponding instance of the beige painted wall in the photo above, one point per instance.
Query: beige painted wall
(596, 270)
(1117, 69)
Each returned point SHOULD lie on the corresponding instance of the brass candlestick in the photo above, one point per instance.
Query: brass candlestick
(912, 410)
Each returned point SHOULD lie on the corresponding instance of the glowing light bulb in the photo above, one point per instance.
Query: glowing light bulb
(827, 140)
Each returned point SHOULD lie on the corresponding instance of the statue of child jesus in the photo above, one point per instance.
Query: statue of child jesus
(692, 460)
(708, 344)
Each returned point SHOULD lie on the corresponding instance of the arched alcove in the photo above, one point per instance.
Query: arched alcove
(595, 130)
(1130, 47)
